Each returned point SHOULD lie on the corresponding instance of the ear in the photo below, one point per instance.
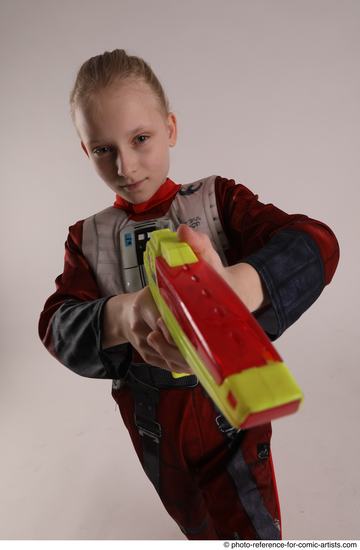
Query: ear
(84, 149)
(172, 125)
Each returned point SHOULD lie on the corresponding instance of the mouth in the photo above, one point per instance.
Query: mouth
(134, 185)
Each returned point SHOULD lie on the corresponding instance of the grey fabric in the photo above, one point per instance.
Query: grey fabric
(265, 526)
(146, 399)
(194, 205)
(76, 337)
(291, 267)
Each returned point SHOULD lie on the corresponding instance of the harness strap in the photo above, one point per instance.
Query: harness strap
(145, 382)
(146, 399)
(195, 530)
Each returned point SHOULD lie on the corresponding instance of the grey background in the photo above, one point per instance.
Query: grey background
(267, 93)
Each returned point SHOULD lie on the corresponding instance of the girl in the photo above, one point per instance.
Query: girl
(216, 482)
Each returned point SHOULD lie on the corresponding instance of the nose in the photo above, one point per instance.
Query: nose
(126, 163)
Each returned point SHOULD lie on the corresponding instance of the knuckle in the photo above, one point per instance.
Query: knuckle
(148, 356)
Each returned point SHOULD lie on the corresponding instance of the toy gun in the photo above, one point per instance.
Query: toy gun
(218, 337)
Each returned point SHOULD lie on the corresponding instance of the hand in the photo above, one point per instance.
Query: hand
(134, 318)
(202, 246)
(242, 277)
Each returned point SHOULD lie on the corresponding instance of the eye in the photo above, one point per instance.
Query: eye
(142, 136)
(98, 151)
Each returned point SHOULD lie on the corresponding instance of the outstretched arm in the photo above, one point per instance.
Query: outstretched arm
(295, 256)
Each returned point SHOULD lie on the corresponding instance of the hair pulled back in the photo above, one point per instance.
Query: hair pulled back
(108, 68)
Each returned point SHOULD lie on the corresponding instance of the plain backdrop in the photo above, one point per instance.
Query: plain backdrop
(265, 92)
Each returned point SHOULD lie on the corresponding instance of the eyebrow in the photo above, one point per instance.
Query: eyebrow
(135, 131)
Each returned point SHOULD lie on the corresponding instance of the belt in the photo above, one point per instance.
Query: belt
(159, 378)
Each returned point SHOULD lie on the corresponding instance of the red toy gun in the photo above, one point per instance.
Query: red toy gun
(218, 337)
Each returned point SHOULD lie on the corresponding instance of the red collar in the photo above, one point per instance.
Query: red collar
(155, 206)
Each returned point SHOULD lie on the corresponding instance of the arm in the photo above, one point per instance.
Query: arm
(70, 325)
(295, 256)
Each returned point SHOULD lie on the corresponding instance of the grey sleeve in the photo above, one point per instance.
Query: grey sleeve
(291, 267)
(76, 341)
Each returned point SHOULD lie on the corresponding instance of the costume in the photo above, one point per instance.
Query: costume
(214, 481)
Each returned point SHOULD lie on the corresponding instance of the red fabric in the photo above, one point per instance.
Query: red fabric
(195, 484)
(76, 282)
(155, 207)
(249, 224)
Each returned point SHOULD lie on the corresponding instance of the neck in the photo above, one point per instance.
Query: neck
(165, 192)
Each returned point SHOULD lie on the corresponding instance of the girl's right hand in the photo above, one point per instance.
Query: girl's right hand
(134, 318)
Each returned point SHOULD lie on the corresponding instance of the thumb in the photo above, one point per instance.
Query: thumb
(200, 244)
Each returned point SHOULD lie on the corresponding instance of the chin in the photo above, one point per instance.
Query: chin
(138, 200)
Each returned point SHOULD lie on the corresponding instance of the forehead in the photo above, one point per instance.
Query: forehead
(118, 110)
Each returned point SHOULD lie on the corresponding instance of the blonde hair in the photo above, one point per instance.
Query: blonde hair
(110, 68)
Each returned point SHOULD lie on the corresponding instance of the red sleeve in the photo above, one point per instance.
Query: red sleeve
(295, 256)
(76, 282)
(70, 325)
(250, 224)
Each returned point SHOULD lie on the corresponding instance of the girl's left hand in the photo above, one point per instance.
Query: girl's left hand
(202, 246)
(242, 277)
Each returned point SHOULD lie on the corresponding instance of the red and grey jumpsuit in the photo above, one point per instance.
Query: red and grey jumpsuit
(216, 482)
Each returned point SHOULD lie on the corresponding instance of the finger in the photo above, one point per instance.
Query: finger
(171, 355)
(156, 360)
(200, 244)
(196, 239)
(145, 308)
(161, 325)
(149, 353)
(156, 340)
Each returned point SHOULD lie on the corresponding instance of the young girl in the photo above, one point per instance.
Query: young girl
(216, 482)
